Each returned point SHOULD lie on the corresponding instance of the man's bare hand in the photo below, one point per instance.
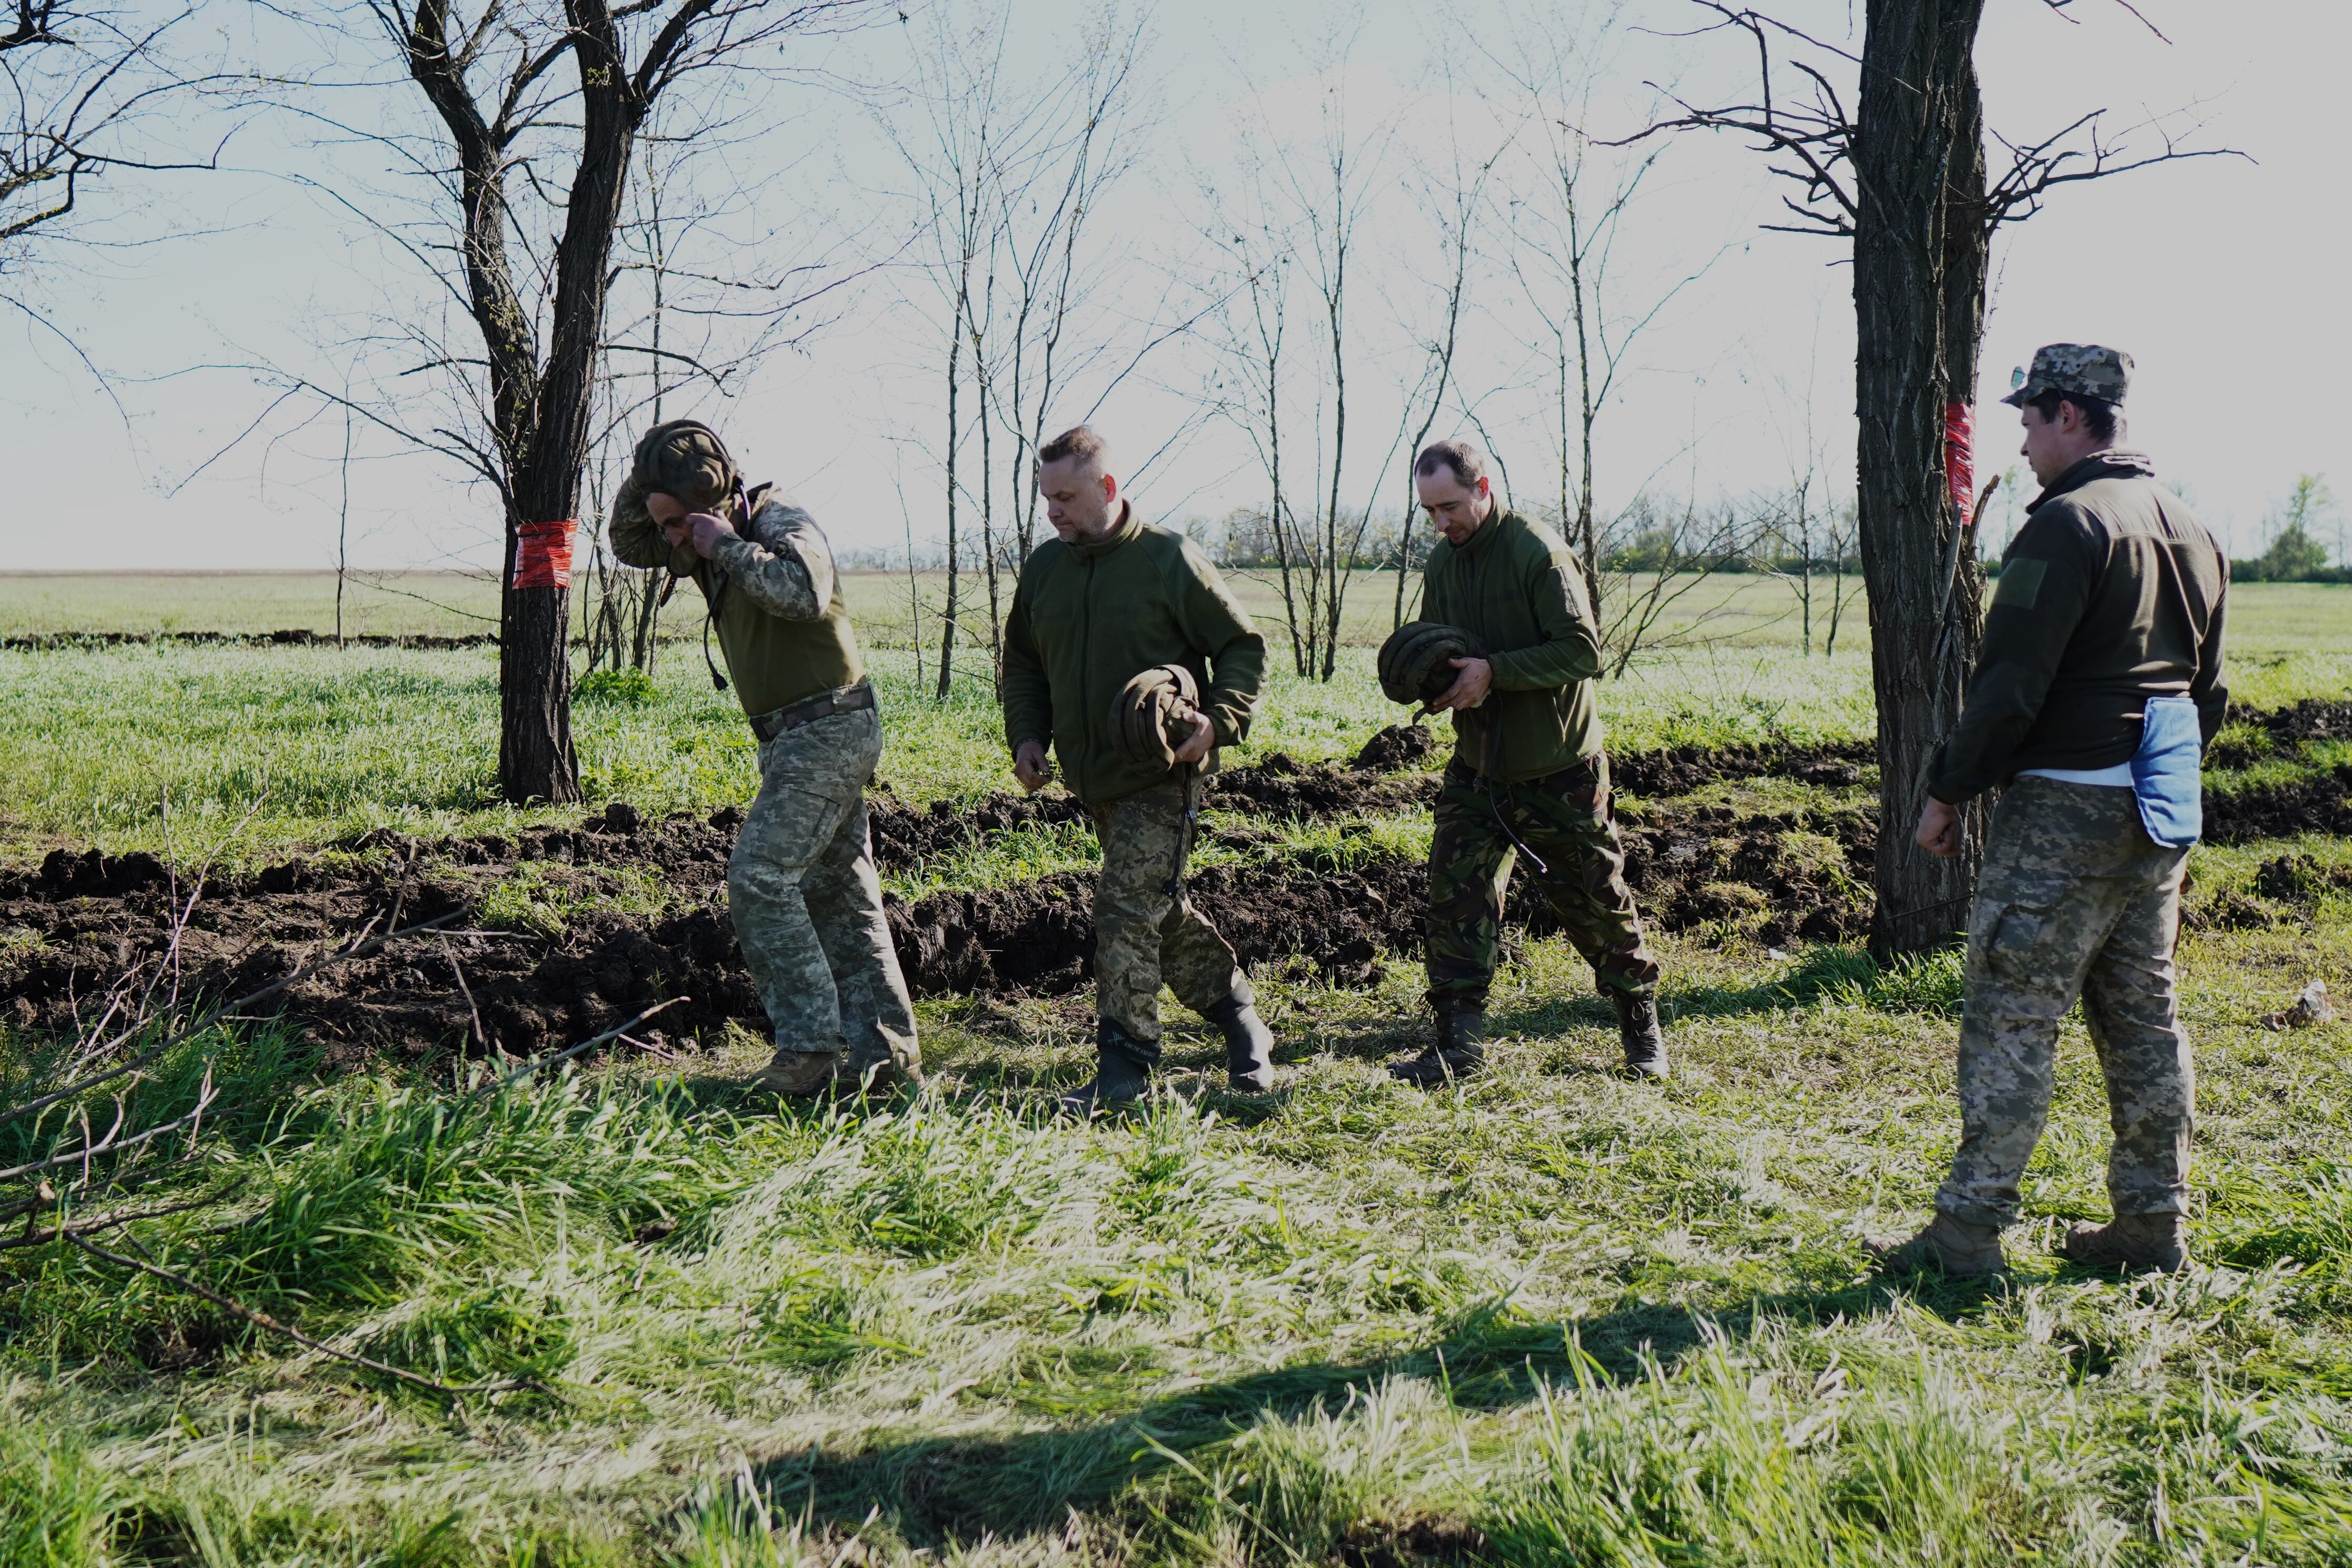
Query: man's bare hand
(1939, 830)
(1203, 736)
(1469, 687)
(1031, 766)
(708, 528)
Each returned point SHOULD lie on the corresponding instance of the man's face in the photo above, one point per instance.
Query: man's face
(1455, 508)
(669, 512)
(2053, 446)
(1079, 498)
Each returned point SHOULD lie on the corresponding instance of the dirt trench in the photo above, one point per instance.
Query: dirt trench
(82, 923)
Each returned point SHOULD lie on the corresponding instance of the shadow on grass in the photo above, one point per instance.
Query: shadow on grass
(934, 1489)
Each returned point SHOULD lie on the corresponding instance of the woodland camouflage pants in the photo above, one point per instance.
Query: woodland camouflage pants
(1142, 935)
(2075, 901)
(807, 902)
(1565, 821)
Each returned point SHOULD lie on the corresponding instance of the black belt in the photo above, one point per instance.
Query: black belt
(824, 705)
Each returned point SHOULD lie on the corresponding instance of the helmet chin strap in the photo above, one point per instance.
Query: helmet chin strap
(738, 503)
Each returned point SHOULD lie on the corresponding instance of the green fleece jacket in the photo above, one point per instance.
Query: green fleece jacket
(1515, 585)
(1088, 618)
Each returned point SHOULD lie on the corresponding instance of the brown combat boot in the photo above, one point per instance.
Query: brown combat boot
(1954, 1247)
(800, 1074)
(1460, 1050)
(1637, 1029)
(2137, 1241)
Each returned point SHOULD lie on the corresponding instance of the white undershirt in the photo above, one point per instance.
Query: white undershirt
(2116, 777)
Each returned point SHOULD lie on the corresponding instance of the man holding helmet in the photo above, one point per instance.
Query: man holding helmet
(1121, 633)
(802, 886)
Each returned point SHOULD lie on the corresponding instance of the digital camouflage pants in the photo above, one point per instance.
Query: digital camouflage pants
(1565, 821)
(806, 900)
(2075, 901)
(1142, 936)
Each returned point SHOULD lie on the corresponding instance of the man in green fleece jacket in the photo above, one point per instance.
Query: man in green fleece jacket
(1529, 775)
(802, 886)
(2099, 684)
(1108, 597)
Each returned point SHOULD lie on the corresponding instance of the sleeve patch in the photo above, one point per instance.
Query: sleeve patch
(2020, 584)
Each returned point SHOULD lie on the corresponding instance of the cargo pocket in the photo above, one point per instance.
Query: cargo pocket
(2009, 941)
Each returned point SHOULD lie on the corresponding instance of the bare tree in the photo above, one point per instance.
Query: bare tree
(1569, 209)
(539, 114)
(1453, 199)
(1903, 177)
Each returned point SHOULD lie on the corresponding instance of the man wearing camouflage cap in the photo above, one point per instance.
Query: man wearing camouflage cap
(800, 886)
(2099, 685)
(1107, 599)
(1528, 779)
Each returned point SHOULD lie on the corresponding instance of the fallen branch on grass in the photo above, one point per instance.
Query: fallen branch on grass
(96, 1222)
(111, 1144)
(253, 1315)
(535, 1063)
(326, 961)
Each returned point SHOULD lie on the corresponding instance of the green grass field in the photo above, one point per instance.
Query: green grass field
(1549, 1318)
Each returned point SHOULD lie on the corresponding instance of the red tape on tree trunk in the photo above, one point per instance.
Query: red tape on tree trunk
(543, 554)
(1960, 460)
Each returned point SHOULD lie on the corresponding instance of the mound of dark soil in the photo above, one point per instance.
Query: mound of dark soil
(81, 923)
(1679, 770)
(1398, 746)
(2312, 804)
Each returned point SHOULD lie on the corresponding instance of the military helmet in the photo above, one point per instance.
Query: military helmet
(686, 460)
(1153, 714)
(1416, 663)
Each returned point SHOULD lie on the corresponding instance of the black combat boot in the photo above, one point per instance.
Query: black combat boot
(1637, 1026)
(1120, 1076)
(1249, 1044)
(1460, 1050)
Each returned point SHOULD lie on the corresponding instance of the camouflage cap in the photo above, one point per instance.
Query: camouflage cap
(685, 458)
(2084, 370)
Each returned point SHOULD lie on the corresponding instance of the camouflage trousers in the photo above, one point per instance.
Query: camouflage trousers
(1142, 935)
(807, 902)
(1564, 821)
(2075, 901)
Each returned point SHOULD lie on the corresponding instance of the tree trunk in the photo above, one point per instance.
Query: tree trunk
(1918, 288)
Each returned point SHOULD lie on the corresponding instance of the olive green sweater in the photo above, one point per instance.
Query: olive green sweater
(1515, 585)
(1088, 618)
(775, 600)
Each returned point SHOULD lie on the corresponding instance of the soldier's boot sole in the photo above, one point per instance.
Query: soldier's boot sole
(2149, 1241)
(1948, 1246)
(800, 1074)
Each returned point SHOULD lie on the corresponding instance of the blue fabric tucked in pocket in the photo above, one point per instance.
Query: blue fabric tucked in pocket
(2167, 772)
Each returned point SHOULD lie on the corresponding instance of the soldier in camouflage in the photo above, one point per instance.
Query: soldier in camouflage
(2100, 681)
(802, 886)
(1528, 778)
(1107, 599)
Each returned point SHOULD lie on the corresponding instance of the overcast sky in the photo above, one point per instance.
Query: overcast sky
(2221, 276)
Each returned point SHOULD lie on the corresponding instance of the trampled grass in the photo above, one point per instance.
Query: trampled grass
(1548, 1318)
